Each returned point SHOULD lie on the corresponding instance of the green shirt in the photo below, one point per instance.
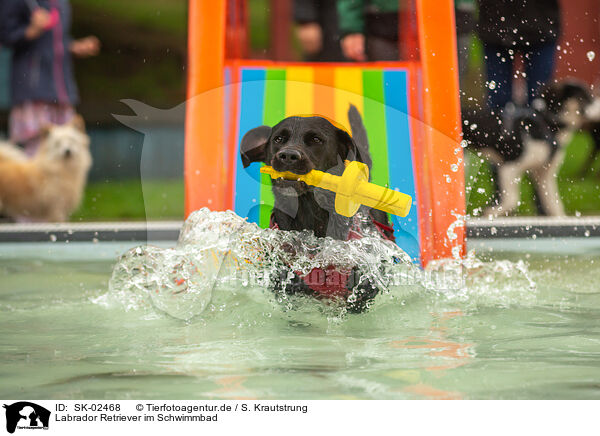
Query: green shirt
(351, 13)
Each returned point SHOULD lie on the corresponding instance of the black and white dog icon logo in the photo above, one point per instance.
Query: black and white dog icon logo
(26, 415)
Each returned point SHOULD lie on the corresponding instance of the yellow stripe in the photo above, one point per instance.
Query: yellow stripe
(299, 91)
(348, 90)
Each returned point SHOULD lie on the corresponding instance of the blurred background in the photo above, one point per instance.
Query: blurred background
(143, 57)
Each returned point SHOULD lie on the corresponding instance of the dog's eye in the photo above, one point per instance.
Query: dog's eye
(316, 140)
(278, 139)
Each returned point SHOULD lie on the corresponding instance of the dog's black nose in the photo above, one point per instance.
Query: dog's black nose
(288, 156)
(68, 153)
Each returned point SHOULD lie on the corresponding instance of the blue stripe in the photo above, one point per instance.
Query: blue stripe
(247, 180)
(400, 157)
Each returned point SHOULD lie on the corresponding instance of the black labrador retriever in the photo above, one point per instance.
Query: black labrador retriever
(299, 145)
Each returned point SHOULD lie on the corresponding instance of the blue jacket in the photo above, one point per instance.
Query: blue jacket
(42, 69)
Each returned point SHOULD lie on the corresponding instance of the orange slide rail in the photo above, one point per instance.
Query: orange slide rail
(205, 171)
(441, 98)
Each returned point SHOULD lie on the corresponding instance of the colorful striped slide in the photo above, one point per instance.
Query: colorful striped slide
(266, 95)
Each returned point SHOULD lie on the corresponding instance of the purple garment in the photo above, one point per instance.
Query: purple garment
(27, 120)
(41, 68)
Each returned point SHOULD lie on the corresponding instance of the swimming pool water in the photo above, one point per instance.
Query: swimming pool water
(501, 339)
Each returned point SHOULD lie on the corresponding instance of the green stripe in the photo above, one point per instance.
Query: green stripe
(374, 119)
(274, 112)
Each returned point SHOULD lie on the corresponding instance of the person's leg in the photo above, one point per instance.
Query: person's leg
(499, 68)
(539, 62)
(463, 46)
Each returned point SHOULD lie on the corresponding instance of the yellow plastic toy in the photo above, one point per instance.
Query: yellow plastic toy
(352, 189)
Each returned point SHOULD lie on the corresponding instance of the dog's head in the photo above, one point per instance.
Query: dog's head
(299, 145)
(66, 145)
(567, 104)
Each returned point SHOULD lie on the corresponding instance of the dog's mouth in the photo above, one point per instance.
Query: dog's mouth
(290, 187)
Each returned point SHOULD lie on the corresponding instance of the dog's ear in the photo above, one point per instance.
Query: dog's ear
(348, 150)
(359, 136)
(254, 145)
(78, 122)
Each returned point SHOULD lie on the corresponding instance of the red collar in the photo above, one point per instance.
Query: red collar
(331, 282)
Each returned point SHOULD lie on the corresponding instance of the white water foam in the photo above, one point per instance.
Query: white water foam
(219, 252)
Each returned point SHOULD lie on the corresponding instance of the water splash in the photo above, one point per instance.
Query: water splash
(221, 258)
(591, 55)
(220, 250)
(496, 283)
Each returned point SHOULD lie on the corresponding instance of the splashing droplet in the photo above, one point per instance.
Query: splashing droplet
(591, 55)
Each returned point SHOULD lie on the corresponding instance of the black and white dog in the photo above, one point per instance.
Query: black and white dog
(593, 129)
(519, 140)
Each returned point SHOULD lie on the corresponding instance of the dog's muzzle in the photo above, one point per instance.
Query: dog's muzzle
(291, 159)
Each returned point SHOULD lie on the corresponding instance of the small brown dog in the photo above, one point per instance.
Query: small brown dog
(48, 186)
